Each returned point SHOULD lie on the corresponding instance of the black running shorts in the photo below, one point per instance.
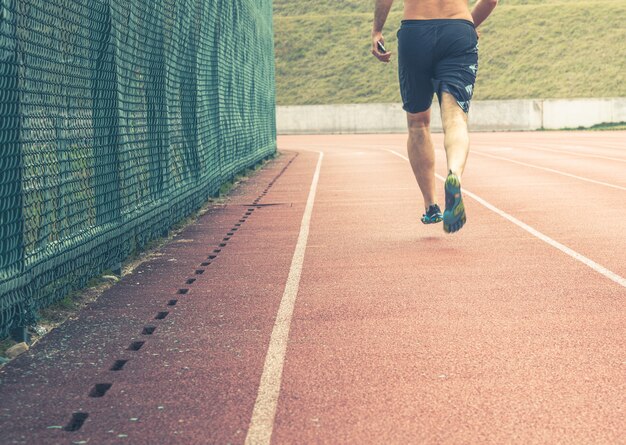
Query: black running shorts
(435, 56)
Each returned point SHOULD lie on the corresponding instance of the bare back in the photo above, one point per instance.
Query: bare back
(436, 9)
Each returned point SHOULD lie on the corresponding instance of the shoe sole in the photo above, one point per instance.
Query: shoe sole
(453, 218)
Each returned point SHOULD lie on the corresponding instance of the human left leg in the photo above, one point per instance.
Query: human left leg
(456, 142)
(456, 137)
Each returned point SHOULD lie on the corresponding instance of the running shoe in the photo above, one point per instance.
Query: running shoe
(454, 215)
(432, 215)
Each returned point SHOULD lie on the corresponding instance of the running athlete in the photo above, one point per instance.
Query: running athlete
(437, 53)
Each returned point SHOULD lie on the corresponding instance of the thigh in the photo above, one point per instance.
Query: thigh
(415, 70)
(452, 115)
(457, 62)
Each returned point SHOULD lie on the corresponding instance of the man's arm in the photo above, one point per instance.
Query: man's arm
(482, 9)
(381, 12)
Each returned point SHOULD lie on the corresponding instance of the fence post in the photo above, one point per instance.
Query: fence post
(11, 162)
(11, 220)
(105, 121)
(157, 118)
(220, 48)
(188, 95)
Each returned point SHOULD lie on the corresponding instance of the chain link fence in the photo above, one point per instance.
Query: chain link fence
(118, 118)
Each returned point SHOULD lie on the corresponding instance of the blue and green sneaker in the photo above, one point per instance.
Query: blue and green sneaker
(432, 215)
(454, 215)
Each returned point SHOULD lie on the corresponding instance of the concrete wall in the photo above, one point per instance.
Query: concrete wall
(487, 115)
(561, 113)
(505, 115)
(357, 118)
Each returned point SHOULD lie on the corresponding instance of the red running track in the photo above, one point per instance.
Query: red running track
(511, 331)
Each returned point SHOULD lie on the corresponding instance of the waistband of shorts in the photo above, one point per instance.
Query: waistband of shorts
(423, 22)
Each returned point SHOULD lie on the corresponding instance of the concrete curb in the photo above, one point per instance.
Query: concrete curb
(487, 115)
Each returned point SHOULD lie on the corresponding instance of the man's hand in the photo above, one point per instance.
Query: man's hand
(383, 57)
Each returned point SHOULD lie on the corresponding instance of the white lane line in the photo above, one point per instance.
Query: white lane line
(572, 253)
(550, 170)
(262, 422)
(612, 145)
(552, 150)
(576, 153)
(592, 145)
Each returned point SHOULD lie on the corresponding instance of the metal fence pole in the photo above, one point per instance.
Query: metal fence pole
(157, 119)
(11, 164)
(105, 122)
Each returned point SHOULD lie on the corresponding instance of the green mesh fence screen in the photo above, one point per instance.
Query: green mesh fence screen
(117, 119)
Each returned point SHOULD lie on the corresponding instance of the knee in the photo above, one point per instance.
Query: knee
(419, 123)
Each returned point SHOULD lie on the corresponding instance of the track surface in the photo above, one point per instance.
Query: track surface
(399, 332)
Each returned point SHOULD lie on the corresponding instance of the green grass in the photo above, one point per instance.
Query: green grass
(619, 126)
(529, 49)
(5, 344)
(609, 127)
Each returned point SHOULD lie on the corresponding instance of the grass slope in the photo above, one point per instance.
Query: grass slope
(529, 48)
